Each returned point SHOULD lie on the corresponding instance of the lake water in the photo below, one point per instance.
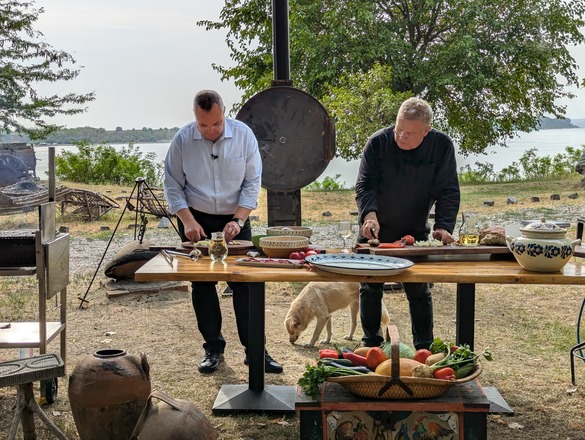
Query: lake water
(547, 143)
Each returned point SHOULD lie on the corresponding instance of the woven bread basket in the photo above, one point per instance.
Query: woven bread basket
(375, 386)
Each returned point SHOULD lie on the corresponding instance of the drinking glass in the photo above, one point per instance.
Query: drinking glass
(344, 231)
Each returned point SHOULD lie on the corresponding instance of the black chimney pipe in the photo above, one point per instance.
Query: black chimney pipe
(280, 43)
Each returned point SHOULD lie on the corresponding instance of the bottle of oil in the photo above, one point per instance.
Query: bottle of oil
(218, 249)
(469, 230)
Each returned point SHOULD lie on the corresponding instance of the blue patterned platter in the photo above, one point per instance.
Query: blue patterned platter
(359, 264)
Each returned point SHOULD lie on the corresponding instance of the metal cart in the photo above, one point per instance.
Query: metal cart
(44, 253)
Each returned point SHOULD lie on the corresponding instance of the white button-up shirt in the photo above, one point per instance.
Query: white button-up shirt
(213, 177)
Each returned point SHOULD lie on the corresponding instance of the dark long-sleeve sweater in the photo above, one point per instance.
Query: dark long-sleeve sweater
(401, 186)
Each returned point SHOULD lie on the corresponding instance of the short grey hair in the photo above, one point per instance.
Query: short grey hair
(416, 109)
(205, 99)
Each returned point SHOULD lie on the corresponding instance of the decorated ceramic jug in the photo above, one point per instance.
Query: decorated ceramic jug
(542, 247)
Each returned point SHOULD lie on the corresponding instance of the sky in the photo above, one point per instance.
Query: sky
(146, 59)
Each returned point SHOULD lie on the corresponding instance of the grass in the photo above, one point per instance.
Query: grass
(529, 328)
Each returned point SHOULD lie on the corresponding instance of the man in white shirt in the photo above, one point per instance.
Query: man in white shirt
(213, 172)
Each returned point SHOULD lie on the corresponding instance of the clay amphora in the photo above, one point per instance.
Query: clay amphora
(172, 419)
(107, 392)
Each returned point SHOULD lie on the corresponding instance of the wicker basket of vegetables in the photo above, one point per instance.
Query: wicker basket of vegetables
(400, 378)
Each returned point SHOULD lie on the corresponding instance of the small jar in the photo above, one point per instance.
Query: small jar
(218, 249)
(469, 231)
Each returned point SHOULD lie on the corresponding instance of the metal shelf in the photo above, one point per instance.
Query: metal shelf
(27, 334)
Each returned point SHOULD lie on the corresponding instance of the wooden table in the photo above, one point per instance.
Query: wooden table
(255, 396)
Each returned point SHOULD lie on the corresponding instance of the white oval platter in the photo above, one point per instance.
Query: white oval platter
(360, 264)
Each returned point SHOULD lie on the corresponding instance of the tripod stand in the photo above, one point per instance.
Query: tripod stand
(138, 194)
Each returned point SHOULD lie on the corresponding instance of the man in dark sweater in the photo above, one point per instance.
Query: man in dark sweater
(404, 171)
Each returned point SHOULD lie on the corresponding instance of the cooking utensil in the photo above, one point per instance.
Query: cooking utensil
(375, 242)
(171, 255)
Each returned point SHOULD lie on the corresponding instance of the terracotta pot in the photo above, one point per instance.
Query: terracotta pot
(107, 392)
(172, 419)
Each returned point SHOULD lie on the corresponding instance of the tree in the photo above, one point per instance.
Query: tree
(488, 68)
(361, 105)
(26, 61)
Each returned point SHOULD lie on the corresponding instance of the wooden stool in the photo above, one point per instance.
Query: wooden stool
(22, 373)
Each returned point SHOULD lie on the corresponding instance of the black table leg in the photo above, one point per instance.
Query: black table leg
(255, 397)
(465, 331)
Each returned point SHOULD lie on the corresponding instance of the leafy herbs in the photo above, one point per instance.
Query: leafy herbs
(314, 376)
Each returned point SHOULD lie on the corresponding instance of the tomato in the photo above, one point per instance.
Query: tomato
(302, 255)
(445, 373)
(422, 355)
(408, 239)
(295, 256)
(453, 348)
(374, 357)
(311, 252)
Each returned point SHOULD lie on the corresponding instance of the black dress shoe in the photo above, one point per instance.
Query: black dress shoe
(210, 362)
(270, 365)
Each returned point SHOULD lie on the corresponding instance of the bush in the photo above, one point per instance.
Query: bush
(103, 164)
(328, 184)
(531, 167)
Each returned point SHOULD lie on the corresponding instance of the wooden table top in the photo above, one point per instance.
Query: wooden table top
(440, 271)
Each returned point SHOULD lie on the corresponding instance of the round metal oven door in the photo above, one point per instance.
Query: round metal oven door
(295, 135)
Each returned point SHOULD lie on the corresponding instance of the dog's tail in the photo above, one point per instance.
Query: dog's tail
(385, 315)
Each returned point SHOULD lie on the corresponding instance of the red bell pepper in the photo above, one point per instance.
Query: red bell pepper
(328, 353)
(395, 244)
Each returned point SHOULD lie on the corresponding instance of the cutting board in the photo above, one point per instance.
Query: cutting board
(422, 251)
(241, 248)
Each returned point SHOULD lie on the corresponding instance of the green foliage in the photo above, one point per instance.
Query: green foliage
(361, 105)
(26, 61)
(488, 68)
(529, 167)
(118, 136)
(327, 184)
(103, 164)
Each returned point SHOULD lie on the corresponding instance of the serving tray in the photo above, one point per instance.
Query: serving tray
(241, 248)
(421, 251)
(282, 263)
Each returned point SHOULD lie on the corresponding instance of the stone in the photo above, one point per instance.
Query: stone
(488, 203)
(353, 212)
(555, 197)
(104, 228)
(254, 218)
(64, 229)
(573, 196)
(327, 214)
(512, 200)
(164, 223)
(535, 199)
(132, 226)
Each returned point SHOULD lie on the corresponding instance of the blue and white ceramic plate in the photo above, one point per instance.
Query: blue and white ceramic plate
(360, 264)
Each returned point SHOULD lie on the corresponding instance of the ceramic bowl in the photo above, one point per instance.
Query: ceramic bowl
(542, 247)
(299, 231)
(282, 246)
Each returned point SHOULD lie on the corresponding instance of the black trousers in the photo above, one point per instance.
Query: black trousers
(204, 294)
(420, 302)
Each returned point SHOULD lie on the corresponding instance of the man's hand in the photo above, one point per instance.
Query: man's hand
(443, 235)
(193, 230)
(370, 222)
(230, 230)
